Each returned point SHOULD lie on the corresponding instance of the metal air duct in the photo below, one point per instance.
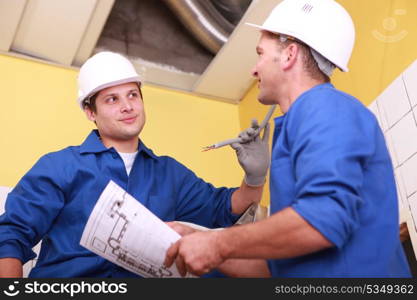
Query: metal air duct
(232, 10)
(204, 21)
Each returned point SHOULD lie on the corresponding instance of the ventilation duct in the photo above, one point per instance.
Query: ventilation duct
(210, 22)
(232, 10)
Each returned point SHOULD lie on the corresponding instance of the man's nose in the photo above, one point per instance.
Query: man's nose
(126, 105)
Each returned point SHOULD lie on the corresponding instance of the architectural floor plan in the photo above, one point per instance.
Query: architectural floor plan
(125, 232)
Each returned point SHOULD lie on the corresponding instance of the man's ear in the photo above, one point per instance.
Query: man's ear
(290, 55)
(90, 114)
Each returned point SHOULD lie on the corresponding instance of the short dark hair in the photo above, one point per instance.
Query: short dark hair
(309, 63)
(90, 102)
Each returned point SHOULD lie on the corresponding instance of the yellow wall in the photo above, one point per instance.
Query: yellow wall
(386, 44)
(39, 114)
(180, 124)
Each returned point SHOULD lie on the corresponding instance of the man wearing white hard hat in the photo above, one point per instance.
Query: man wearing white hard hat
(333, 197)
(53, 201)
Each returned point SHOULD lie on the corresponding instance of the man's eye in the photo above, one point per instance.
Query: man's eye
(133, 95)
(111, 100)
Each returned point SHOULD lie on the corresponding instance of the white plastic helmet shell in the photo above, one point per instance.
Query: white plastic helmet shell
(103, 70)
(324, 25)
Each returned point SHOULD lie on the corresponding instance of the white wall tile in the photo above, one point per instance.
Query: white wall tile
(413, 231)
(401, 192)
(4, 190)
(408, 174)
(373, 107)
(410, 81)
(393, 102)
(391, 149)
(402, 209)
(413, 209)
(415, 112)
(404, 137)
(404, 214)
(382, 119)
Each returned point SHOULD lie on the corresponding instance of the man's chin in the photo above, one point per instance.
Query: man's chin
(130, 134)
(265, 101)
(134, 130)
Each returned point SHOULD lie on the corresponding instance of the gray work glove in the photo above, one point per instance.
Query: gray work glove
(253, 154)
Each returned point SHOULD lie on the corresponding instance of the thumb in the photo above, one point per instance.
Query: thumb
(171, 254)
(237, 147)
(256, 130)
(255, 124)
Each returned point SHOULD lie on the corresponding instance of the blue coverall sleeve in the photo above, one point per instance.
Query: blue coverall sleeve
(331, 138)
(202, 203)
(30, 210)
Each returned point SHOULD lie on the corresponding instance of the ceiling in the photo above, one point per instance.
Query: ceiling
(68, 32)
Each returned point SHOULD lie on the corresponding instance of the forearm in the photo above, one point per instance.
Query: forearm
(251, 268)
(283, 235)
(10, 268)
(246, 195)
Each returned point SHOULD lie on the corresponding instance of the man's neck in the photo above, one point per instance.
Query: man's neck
(295, 90)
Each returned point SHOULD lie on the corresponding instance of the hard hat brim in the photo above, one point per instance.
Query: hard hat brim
(107, 85)
(255, 25)
(260, 27)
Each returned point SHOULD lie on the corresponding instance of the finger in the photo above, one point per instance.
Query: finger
(199, 271)
(171, 223)
(267, 129)
(251, 131)
(245, 137)
(171, 254)
(179, 228)
(237, 147)
(176, 227)
(257, 136)
(255, 124)
(181, 266)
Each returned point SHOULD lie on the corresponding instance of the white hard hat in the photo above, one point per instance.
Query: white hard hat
(323, 25)
(103, 70)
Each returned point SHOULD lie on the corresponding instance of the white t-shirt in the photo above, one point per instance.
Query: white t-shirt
(128, 159)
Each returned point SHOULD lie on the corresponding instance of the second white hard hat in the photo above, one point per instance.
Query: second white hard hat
(323, 25)
(103, 70)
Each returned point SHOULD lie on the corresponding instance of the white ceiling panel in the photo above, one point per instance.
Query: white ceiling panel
(229, 74)
(93, 31)
(53, 29)
(10, 14)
